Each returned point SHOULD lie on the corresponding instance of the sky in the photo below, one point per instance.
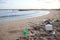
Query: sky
(29, 4)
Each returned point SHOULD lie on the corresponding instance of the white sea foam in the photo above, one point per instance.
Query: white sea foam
(15, 15)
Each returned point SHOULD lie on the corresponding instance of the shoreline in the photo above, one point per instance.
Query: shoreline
(19, 25)
(23, 17)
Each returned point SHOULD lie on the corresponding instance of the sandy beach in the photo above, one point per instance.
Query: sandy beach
(11, 30)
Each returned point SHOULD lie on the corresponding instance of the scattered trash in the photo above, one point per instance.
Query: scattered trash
(40, 31)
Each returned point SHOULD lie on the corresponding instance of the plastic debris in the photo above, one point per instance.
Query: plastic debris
(25, 31)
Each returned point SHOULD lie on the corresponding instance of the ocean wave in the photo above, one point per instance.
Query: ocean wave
(7, 15)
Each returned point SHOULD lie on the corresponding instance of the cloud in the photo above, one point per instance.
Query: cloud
(30, 4)
(3, 1)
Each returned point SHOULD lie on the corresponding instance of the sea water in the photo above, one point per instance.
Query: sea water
(15, 14)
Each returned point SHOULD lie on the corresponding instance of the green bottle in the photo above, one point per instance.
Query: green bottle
(25, 31)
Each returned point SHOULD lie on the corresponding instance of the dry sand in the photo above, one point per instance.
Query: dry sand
(11, 30)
